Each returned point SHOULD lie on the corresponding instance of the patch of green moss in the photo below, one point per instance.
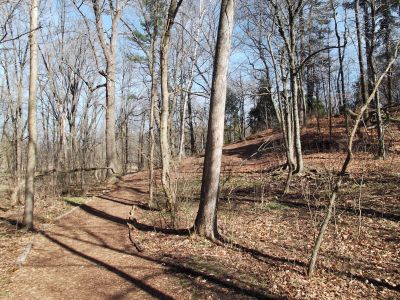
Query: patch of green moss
(74, 201)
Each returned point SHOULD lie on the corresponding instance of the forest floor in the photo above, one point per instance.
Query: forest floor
(87, 253)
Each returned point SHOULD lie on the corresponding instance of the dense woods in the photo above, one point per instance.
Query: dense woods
(189, 107)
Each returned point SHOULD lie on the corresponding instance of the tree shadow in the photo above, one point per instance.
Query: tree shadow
(368, 212)
(136, 190)
(272, 260)
(263, 257)
(174, 267)
(140, 284)
(11, 222)
(100, 214)
(253, 292)
(169, 231)
(127, 202)
(245, 151)
(311, 142)
(15, 224)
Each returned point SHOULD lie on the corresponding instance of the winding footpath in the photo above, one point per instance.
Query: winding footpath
(87, 255)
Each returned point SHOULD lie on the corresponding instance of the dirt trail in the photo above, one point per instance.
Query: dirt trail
(88, 255)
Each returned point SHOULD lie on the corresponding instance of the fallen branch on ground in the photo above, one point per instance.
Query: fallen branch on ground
(49, 172)
(131, 219)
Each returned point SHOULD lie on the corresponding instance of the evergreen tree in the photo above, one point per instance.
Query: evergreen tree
(262, 115)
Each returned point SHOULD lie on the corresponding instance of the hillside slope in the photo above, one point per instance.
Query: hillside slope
(88, 254)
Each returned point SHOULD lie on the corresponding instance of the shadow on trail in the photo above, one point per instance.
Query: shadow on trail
(135, 190)
(181, 269)
(140, 284)
(173, 267)
(169, 231)
(127, 202)
(100, 214)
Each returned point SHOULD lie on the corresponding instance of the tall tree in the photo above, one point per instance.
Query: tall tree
(206, 219)
(164, 118)
(153, 100)
(31, 162)
(263, 113)
(341, 79)
(360, 54)
(287, 27)
(189, 77)
(370, 25)
(147, 41)
(110, 54)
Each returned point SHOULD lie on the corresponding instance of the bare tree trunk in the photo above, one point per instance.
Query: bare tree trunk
(181, 151)
(387, 27)
(289, 137)
(289, 39)
(329, 96)
(341, 88)
(111, 152)
(164, 128)
(370, 27)
(189, 85)
(206, 219)
(294, 92)
(31, 162)
(20, 52)
(297, 133)
(16, 195)
(153, 99)
(110, 52)
(303, 102)
(380, 128)
(285, 117)
(360, 54)
(141, 144)
(193, 149)
(125, 143)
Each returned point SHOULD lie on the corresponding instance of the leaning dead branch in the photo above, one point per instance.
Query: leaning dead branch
(345, 166)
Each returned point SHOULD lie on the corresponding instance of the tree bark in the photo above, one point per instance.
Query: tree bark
(294, 92)
(370, 27)
(360, 54)
(164, 126)
(31, 162)
(193, 148)
(16, 195)
(141, 144)
(110, 52)
(181, 151)
(153, 100)
(206, 219)
(341, 88)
